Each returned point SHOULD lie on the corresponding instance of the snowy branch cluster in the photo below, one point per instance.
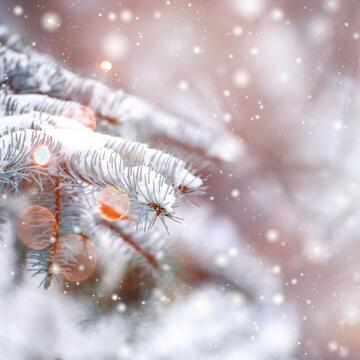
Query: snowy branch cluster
(79, 206)
(40, 144)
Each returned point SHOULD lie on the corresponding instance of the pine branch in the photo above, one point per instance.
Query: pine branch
(147, 246)
(35, 72)
(13, 104)
(152, 194)
(132, 153)
(71, 214)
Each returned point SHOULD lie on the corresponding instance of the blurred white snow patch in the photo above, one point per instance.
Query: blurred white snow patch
(115, 46)
(319, 28)
(281, 47)
(249, 9)
(241, 78)
(280, 336)
(228, 148)
(219, 248)
(208, 324)
(50, 21)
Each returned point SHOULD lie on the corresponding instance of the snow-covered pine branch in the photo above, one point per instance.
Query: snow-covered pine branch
(61, 111)
(123, 237)
(26, 70)
(39, 145)
(99, 160)
(15, 104)
(53, 159)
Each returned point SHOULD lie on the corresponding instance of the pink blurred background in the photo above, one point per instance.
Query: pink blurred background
(281, 75)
